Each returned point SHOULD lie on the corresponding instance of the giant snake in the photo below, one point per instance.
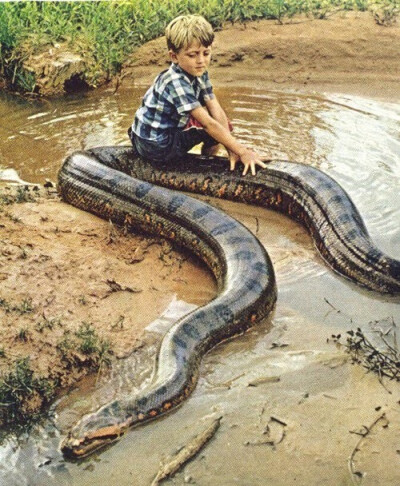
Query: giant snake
(116, 184)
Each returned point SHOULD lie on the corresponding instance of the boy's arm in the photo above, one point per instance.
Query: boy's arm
(217, 112)
(220, 132)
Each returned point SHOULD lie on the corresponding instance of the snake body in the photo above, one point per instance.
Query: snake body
(114, 183)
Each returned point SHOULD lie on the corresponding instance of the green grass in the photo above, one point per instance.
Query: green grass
(106, 32)
(97, 351)
(18, 389)
(25, 307)
(21, 195)
(24, 396)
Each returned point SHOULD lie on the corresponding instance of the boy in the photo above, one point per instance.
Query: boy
(180, 109)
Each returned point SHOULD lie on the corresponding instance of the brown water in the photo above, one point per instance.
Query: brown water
(311, 401)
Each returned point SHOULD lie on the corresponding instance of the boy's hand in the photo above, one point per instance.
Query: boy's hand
(249, 159)
(233, 158)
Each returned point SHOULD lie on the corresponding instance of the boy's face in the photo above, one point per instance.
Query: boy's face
(194, 59)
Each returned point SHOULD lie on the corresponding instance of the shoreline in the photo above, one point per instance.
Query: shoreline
(346, 53)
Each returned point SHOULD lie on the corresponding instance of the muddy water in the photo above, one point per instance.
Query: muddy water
(292, 408)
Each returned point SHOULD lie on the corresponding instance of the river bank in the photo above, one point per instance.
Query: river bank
(345, 53)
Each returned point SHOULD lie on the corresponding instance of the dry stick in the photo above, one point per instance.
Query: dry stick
(356, 449)
(226, 384)
(257, 225)
(188, 452)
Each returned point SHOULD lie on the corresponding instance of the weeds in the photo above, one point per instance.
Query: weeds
(23, 395)
(86, 347)
(25, 307)
(385, 12)
(21, 195)
(88, 338)
(105, 33)
(382, 358)
(5, 200)
(47, 323)
(22, 334)
(82, 300)
(64, 347)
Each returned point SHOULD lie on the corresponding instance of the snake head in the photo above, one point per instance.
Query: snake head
(79, 447)
(96, 431)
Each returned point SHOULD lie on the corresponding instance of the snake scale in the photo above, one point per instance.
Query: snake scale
(114, 183)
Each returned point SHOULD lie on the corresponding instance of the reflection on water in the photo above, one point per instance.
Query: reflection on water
(39, 134)
(355, 140)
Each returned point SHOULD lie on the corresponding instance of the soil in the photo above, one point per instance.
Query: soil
(60, 267)
(348, 52)
(62, 270)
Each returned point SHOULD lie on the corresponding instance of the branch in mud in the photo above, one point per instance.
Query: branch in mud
(356, 476)
(116, 287)
(383, 358)
(170, 468)
(274, 433)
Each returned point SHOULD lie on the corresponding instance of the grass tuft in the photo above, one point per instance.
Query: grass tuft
(106, 32)
(23, 396)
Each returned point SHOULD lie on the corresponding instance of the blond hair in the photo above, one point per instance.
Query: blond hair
(185, 29)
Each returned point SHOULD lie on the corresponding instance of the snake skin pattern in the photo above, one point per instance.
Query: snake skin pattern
(114, 183)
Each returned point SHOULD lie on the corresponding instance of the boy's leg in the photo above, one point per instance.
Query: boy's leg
(210, 148)
(195, 129)
(131, 138)
(192, 135)
(178, 144)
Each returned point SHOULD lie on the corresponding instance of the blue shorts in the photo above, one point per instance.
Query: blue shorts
(177, 145)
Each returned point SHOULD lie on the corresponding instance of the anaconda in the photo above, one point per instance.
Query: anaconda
(114, 183)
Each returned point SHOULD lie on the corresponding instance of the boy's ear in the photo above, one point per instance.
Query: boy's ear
(172, 56)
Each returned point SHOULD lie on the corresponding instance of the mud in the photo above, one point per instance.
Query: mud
(344, 53)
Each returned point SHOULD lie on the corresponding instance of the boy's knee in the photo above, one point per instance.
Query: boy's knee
(210, 150)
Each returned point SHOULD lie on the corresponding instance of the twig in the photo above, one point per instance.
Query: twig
(226, 384)
(331, 305)
(383, 362)
(272, 435)
(367, 430)
(188, 452)
(116, 287)
(264, 379)
(257, 225)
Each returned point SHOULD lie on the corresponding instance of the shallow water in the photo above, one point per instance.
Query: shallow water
(314, 396)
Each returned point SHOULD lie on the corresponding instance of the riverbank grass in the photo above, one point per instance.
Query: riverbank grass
(105, 33)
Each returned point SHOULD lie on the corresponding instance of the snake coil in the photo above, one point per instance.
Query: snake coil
(114, 183)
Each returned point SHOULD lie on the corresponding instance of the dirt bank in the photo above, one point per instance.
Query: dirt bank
(61, 269)
(77, 291)
(347, 52)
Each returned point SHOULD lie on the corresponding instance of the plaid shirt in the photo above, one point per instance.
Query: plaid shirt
(168, 102)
